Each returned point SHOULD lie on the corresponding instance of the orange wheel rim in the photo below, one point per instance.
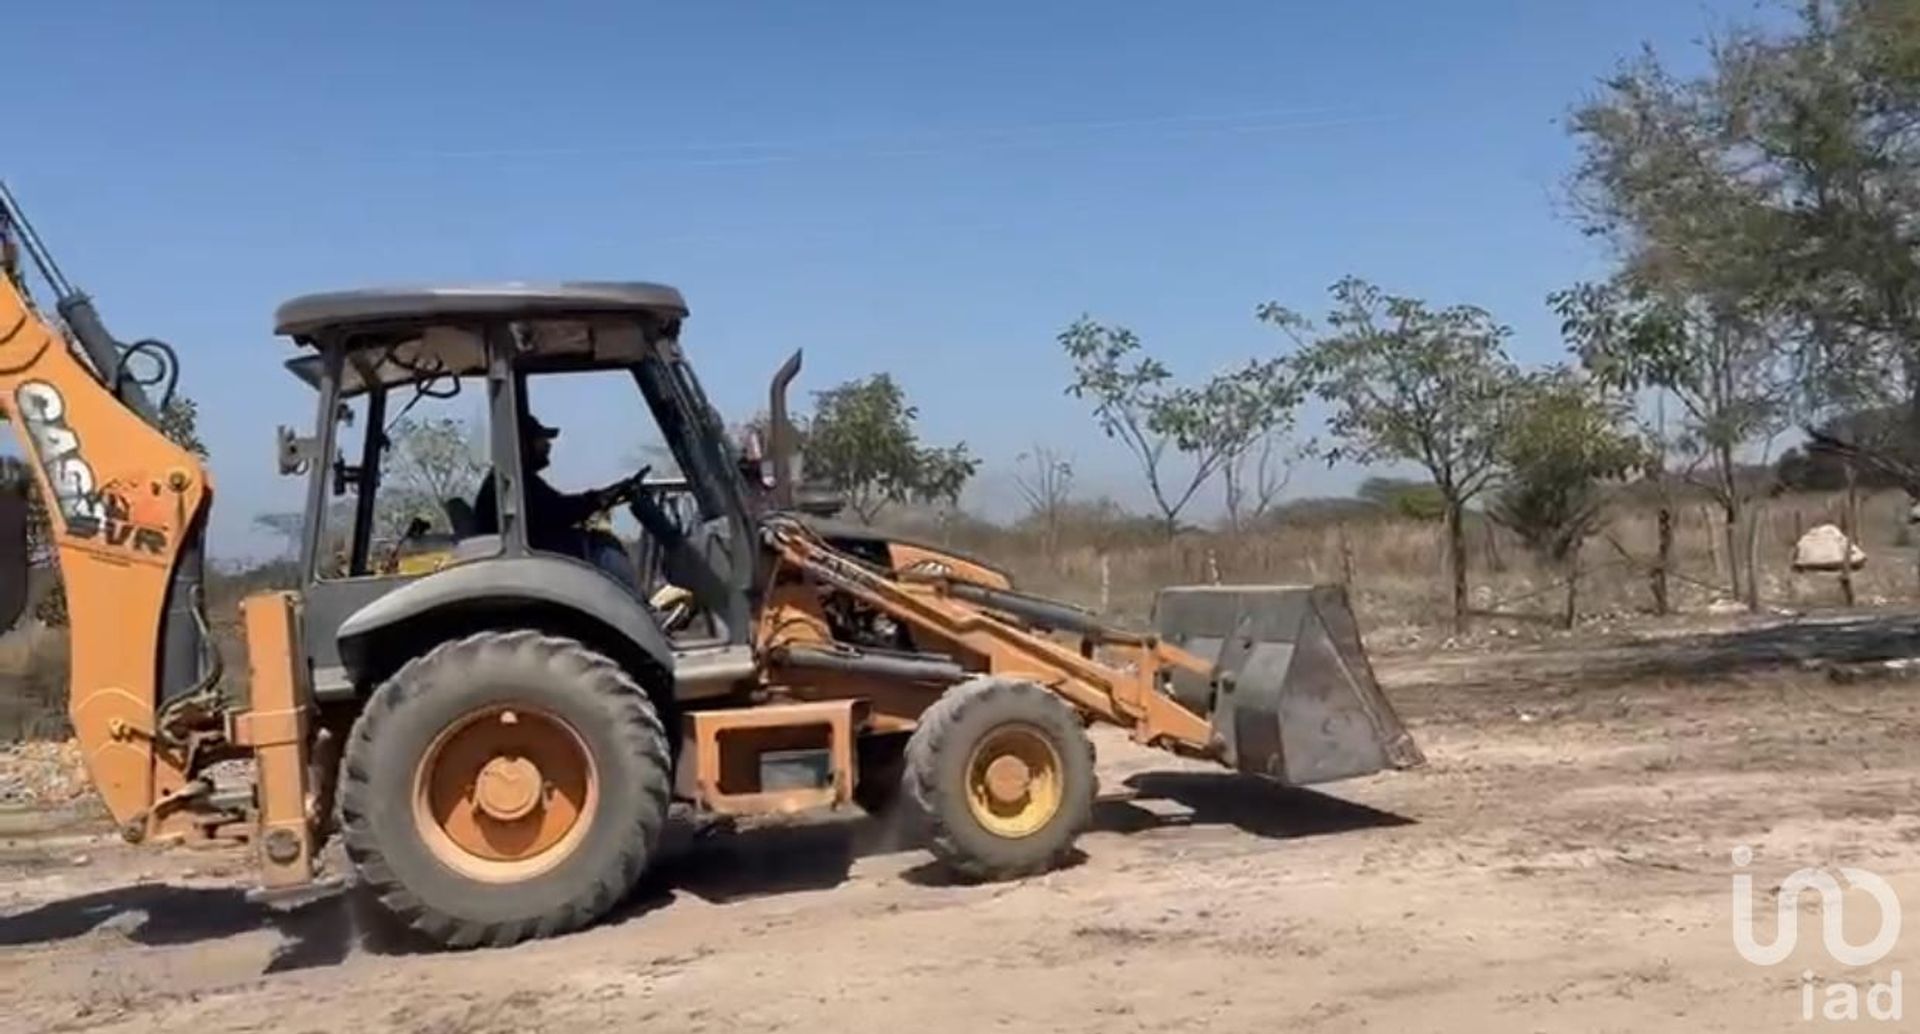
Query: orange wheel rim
(505, 793)
(1015, 781)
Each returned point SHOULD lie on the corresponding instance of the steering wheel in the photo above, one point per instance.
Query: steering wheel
(648, 511)
(625, 490)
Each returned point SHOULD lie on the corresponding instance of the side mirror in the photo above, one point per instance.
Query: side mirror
(295, 452)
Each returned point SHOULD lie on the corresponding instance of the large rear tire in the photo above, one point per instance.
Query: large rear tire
(504, 786)
(1002, 773)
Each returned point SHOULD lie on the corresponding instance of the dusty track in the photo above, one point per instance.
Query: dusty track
(1562, 864)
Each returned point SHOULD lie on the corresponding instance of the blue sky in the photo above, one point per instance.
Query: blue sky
(934, 190)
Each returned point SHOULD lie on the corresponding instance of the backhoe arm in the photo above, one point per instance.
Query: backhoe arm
(124, 504)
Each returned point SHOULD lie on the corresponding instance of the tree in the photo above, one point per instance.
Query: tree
(1884, 430)
(180, 421)
(861, 442)
(1218, 424)
(1566, 438)
(1254, 479)
(1129, 391)
(1243, 413)
(1778, 195)
(1823, 119)
(1408, 382)
(1730, 377)
(1404, 498)
(1045, 483)
(426, 463)
(289, 526)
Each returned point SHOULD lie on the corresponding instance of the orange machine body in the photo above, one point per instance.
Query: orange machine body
(122, 499)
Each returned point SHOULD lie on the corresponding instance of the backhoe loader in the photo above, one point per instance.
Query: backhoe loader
(495, 732)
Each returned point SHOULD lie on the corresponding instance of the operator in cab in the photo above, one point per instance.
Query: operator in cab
(556, 521)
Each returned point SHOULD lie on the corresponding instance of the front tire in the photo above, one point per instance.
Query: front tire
(1002, 772)
(504, 786)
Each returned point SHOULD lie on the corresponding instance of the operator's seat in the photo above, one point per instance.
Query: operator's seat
(460, 518)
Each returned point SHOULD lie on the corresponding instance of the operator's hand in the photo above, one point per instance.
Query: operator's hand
(620, 491)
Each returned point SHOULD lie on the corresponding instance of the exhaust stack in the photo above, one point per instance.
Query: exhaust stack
(780, 443)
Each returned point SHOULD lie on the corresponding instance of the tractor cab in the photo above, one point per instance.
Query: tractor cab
(399, 530)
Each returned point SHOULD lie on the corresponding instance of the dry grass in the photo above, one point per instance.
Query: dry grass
(33, 684)
(1395, 568)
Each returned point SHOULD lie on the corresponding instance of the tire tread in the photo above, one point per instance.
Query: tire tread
(636, 725)
(934, 737)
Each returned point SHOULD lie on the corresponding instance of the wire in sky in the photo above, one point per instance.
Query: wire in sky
(927, 142)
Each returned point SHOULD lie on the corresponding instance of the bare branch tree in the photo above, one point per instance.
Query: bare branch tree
(1045, 483)
(1254, 479)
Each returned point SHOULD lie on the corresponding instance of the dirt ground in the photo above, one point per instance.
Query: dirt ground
(1563, 863)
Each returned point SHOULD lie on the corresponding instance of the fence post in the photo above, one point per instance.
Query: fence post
(1346, 558)
(1793, 555)
(1663, 554)
(1713, 546)
(1106, 583)
(1848, 522)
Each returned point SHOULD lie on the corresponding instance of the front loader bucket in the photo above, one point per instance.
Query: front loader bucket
(1292, 696)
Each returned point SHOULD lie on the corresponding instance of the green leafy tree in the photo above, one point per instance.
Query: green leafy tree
(1733, 383)
(861, 442)
(1411, 383)
(180, 421)
(1816, 468)
(1412, 500)
(1566, 439)
(1218, 426)
(1820, 124)
(1243, 415)
(1771, 207)
(1129, 391)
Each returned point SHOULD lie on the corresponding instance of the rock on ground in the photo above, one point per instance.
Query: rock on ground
(1825, 548)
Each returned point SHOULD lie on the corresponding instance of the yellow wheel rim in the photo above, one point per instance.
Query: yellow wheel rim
(1015, 781)
(505, 794)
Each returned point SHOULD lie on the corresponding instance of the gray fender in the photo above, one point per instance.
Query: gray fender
(508, 583)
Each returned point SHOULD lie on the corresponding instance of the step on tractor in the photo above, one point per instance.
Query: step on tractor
(495, 728)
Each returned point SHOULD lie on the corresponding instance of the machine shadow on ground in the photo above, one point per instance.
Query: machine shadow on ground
(158, 915)
(1824, 640)
(715, 862)
(1248, 804)
(1840, 645)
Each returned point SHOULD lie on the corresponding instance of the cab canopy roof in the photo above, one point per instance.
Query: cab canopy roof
(409, 335)
(314, 314)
